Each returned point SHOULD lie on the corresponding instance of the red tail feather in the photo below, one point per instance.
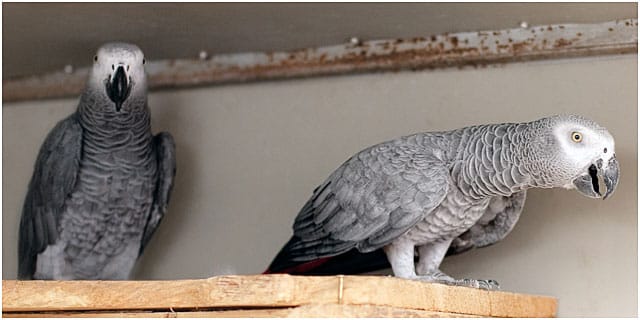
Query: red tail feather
(301, 268)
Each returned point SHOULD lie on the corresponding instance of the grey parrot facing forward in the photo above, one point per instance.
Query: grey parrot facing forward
(442, 193)
(101, 182)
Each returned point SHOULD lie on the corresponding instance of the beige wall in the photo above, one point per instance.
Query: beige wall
(250, 155)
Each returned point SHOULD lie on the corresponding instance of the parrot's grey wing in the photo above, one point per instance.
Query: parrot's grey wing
(499, 219)
(165, 149)
(54, 177)
(372, 199)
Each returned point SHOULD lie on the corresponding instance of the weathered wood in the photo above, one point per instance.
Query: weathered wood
(445, 50)
(305, 311)
(267, 291)
(226, 291)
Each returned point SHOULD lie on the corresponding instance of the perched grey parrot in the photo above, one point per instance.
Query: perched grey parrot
(101, 181)
(438, 193)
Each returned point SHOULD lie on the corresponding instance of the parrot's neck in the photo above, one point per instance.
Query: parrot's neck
(491, 161)
(110, 130)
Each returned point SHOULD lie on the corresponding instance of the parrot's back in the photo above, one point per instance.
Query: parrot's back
(414, 179)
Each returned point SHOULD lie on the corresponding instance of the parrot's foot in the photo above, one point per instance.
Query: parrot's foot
(440, 277)
(476, 283)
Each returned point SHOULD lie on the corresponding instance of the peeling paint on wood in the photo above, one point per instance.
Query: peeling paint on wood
(475, 49)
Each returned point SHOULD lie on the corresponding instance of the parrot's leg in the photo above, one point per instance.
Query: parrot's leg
(400, 256)
(430, 257)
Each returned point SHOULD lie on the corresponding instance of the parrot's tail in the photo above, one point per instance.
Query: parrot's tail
(350, 262)
(302, 268)
(284, 262)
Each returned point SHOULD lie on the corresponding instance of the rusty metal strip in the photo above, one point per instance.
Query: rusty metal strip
(437, 51)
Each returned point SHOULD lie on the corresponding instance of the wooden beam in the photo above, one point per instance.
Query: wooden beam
(305, 311)
(436, 51)
(267, 291)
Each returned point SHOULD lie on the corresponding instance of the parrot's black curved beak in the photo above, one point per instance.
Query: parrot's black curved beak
(589, 183)
(118, 87)
(610, 176)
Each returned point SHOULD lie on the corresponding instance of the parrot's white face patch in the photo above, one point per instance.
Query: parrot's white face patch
(588, 156)
(118, 71)
(581, 146)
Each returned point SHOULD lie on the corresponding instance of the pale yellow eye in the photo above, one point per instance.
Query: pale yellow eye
(576, 136)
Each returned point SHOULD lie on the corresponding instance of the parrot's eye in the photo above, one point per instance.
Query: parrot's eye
(95, 58)
(576, 136)
(143, 61)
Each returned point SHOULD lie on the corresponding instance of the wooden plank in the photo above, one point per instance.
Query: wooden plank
(391, 291)
(507, 304)
(260, 291)
(435, 51)
(225, 291)
(306, 311)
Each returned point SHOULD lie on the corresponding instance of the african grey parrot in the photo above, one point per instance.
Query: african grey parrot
(101, 181)
(440, 193)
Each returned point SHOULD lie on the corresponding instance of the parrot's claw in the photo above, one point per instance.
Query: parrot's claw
(478, 284)
(439, 277)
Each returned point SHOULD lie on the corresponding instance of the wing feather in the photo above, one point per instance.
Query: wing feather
(54, 177)
(370, 200)
(165, 150)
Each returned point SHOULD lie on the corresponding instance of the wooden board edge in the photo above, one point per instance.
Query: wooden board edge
(268, 291)
(463, 49)
(304, 311)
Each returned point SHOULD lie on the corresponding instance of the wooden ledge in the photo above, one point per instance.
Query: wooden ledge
(265, 296)
(461, 49)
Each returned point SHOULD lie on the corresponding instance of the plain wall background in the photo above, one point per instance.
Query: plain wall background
(249, 156)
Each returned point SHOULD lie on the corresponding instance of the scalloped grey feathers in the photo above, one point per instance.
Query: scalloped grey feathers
(440, 192)
(101, 182)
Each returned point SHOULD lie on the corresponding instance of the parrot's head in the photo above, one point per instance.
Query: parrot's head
(118, 74)
(579, 154)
